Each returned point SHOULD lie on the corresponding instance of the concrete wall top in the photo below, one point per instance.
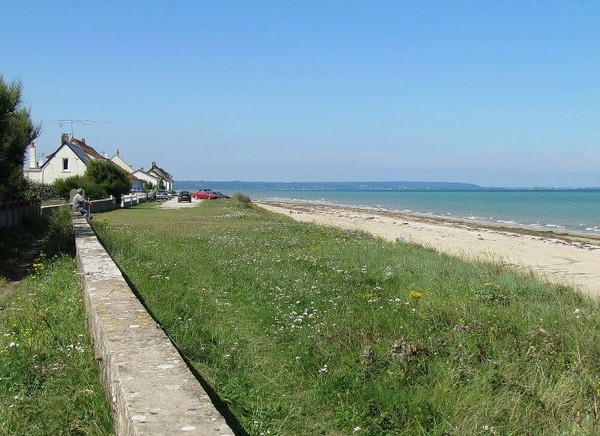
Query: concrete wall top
(151, 390)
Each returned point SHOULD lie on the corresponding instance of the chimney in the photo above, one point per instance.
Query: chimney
(83, 140)
(64, 138)
(118, 153)
(32, 159)
(153, 164)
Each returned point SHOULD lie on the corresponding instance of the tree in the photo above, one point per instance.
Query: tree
(113, 180)
(16, 132)
(148, 186)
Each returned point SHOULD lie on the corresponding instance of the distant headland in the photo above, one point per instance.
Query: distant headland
(238, 185)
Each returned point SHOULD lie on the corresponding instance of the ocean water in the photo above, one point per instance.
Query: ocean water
(568, 210)
(571, 210)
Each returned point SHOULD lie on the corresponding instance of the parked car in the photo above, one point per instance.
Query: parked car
(184, 196)
(221, 195)
(204, 194)
(163, 195)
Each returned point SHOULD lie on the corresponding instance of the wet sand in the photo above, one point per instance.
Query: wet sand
(566, 258)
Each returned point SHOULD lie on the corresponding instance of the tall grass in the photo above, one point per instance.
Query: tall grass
(305, 329)
(49, 380)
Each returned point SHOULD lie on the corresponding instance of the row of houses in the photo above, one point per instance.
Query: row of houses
(72, 158)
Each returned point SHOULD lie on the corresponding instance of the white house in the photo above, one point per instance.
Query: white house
(117, 160)
(136, 183)
(146, 177)
(70, 159)
(162, 175)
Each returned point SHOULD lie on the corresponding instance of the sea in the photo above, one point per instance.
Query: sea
(574, 210)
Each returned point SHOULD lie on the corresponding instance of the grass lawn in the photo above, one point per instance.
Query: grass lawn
(305, 330)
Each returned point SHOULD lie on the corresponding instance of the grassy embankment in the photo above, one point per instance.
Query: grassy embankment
(304, 329)
(49, 380)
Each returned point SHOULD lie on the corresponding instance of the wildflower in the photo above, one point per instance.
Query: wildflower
(324, 369)
(57, 366)
(415, 295)
(356, 429)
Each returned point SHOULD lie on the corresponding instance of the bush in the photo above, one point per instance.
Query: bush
(59, 237)
(40, 191)
(112, 179)
(242, 198)
(92, 189)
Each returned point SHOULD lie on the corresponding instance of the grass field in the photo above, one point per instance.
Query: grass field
(49, 380)
(308, 330)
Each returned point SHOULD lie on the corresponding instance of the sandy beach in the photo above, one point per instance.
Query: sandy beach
(566, 258)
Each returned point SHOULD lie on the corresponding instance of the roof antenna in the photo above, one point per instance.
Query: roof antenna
(72, 121)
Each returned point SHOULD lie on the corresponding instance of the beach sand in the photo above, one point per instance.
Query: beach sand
(564, 258)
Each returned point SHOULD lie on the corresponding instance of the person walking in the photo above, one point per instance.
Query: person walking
(79, 204)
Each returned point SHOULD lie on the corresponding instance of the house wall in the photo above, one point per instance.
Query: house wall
(34, 175)
(121, 163)
(168, 183)
(53, 169)
(146, 177)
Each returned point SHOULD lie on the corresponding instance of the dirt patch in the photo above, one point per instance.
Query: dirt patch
(174, 204)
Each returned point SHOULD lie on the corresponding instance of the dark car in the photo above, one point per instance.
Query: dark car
(221, 195)
(184, 196)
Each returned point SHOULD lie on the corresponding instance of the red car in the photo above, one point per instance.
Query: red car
(204, 194)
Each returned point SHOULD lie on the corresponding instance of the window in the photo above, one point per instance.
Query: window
(65, 164)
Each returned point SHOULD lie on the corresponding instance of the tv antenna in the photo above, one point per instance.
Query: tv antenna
(70, 122)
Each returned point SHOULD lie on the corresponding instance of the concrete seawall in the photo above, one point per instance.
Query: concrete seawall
(150, 388)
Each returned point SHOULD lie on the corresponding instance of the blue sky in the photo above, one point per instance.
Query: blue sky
(498, 93)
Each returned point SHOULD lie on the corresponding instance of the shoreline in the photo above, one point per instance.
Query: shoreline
(566, 258)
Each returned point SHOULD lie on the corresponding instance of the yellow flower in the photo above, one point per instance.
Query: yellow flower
(415, 295)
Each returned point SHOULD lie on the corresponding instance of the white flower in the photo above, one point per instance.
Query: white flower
(356, 429)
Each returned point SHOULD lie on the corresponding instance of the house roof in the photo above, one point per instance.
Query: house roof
(83, 151)
(160, 172)
(145, 173)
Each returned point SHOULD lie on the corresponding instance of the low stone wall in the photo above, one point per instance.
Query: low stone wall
(151, 390)
(97, 206)
(104, 205)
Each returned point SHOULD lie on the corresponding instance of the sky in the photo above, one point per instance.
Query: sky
(492, 92)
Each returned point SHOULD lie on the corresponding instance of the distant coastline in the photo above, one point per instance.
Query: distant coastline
(241, 186)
